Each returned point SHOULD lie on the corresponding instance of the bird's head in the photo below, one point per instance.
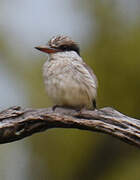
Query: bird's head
(59, 44)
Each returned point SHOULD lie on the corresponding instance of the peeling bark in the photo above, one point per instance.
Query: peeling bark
(17, 123)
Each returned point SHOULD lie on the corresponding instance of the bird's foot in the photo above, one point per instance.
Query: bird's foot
(58, 106)
(80, 111)
(54, 107)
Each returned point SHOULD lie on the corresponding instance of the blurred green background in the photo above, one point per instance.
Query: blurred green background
(109, 36)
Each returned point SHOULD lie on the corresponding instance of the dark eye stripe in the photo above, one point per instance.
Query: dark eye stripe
(72, 47)
(64, 47)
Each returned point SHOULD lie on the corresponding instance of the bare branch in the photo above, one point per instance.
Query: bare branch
(17, 123)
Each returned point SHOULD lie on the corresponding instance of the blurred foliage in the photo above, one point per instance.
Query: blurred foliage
(73, 154)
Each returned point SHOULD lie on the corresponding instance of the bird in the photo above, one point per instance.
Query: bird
(69, 81)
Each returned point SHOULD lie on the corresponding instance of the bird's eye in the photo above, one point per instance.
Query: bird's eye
(63, 47)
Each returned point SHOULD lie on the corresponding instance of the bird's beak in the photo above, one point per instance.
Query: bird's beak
(47, 49)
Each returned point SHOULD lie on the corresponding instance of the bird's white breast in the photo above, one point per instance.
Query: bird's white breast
(67, 81)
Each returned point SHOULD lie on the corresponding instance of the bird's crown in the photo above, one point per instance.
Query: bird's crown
(64, 43)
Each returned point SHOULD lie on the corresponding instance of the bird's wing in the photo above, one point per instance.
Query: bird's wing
(86, 78)
(91, 73)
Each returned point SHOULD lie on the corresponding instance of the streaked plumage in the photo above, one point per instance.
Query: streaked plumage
(68, 80)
